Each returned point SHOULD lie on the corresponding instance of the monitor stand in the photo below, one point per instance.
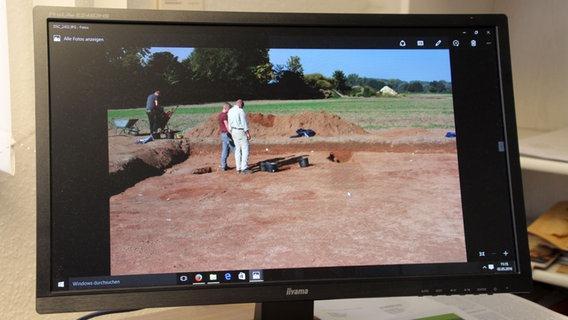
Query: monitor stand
(285, 310)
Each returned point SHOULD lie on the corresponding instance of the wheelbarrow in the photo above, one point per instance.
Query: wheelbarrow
(163, 123)
(126, 126)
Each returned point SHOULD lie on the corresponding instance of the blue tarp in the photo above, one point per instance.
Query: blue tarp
(450, 134)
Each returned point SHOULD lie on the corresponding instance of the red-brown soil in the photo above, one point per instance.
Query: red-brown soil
(370, 208)
(323, 123)
(387, 197)
(315, 145)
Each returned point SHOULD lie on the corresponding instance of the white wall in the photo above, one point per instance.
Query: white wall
(363, 6)
(539, 54)
(542, 191)
(340, 6)
(142, 4)
(451, 6)
(17, 193)
(110, 3)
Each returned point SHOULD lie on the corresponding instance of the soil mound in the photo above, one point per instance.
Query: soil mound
(267, 125)
(261, 119)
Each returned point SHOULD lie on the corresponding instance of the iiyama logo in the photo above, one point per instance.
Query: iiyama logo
(297, 292)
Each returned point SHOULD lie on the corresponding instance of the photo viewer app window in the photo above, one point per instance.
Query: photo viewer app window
(375, 126)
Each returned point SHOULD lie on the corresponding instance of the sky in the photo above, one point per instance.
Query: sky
(403, 64)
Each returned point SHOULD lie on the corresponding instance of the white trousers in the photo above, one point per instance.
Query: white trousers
(241, 149)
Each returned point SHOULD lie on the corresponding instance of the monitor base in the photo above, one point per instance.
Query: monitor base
(297, 310)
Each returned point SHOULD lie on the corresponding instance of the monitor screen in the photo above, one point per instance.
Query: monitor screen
(199, 156)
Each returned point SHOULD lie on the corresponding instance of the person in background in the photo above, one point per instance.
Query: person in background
(227, 143)
(154, 111)
(241, 135)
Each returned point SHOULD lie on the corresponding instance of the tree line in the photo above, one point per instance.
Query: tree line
(441, 86)
(219, 74)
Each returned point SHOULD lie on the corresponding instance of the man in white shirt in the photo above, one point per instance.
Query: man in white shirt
(241, 135)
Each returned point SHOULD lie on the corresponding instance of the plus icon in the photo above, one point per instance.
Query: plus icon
(505, 253)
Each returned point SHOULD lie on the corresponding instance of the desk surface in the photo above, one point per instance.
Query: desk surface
(499, 306)
(227, 311)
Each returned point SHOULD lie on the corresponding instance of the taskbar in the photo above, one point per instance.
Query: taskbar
(216, 278)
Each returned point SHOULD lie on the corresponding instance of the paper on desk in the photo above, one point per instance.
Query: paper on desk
(484, 307)
(549, 146)
(552, 226)
(381, 308)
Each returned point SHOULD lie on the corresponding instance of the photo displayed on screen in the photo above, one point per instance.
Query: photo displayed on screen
(265, 158)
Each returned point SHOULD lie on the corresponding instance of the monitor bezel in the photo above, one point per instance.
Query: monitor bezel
(48, 301)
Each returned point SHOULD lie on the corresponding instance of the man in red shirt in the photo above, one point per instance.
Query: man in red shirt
(227, 143)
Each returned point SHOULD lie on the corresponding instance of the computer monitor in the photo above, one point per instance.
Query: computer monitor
(189, 158)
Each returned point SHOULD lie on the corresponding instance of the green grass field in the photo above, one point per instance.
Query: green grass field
(411, 111)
